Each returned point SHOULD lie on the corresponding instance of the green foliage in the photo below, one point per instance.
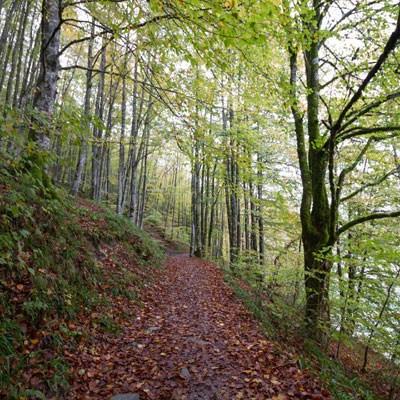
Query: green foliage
(282, 321)
(343, 384)
(155, 218)
(52, 270)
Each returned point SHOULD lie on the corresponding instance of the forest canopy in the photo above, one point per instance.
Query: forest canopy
(264, 133)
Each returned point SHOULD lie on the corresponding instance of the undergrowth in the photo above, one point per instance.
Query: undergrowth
(281, 322)
(67, 269)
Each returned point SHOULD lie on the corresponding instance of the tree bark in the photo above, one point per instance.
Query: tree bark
(46, 87)
(98, 132)
(87, 108)
(121, 164)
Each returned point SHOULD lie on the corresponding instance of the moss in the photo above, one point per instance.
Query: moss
(54, 276)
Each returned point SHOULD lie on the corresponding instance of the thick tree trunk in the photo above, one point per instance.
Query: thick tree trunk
(316, 232)
(46, 87)
(315, 209)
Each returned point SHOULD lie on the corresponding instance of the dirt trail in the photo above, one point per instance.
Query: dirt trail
(193, 339)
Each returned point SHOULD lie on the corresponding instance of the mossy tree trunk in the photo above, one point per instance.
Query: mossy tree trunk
(316, 152)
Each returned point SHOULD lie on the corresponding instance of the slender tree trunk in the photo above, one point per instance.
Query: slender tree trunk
(253, 215)
(174, 179)
(246, 217)
(30, 68)
(261, 243)
(5, 60)
(16, 63)
(379, 320)
(98, 133)
(104, 176)
(214, 200)
(195, 243)
(144, 187)
(88, 94)
(121, 166)
(134, 149)
(5, 34)
(31, 56)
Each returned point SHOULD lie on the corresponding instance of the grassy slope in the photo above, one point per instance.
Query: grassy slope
(68, 271)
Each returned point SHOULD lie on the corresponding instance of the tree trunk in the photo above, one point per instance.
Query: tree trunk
(195, 243)
(46, 87)
(253, 215)
(121, 165)
(16, 64)
(98, 132)
(30, 68)
(4, 38)
(261, 244)
(315, 209)
(88, 94)
(214, 199)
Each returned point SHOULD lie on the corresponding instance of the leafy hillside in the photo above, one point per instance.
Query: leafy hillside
(69, 272)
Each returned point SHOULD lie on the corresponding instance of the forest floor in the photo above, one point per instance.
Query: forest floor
(192, 338)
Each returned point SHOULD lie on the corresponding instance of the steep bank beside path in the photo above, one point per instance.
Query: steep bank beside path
(193, 339)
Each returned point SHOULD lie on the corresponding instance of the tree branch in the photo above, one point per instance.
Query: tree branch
(75, 3)
(360, 131)
(351, 167)
(389, 47)
(362, 111)
(366, 218)
(370, 184)
(122, 29)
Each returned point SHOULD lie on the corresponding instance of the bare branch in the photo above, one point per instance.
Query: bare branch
(122, 29)
(75, 3)
(370, 184)
(361, 131)
(351, 167)
(362, 111)
(366, 218)
(389, 47)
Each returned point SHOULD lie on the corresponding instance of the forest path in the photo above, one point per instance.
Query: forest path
(193, 339)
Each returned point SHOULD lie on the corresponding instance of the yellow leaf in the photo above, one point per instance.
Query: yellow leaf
(275, 381)
(279, 397)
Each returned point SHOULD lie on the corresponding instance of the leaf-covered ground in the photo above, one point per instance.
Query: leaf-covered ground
(192, 339)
